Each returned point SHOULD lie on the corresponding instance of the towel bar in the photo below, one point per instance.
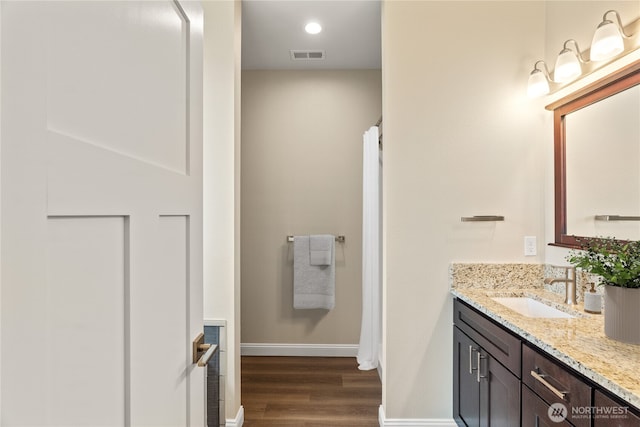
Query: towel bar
(617, 218)
(480, 218)
(339, 239)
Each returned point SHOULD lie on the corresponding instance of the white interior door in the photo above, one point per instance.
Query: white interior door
(101, 213)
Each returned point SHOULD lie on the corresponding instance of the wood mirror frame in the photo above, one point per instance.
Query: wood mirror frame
(613, 83)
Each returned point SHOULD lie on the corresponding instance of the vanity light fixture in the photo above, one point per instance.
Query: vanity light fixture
(568, 64)
(538, 81)
(607, 43)
(608, 38)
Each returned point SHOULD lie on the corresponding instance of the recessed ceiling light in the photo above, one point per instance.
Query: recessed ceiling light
(313, 28)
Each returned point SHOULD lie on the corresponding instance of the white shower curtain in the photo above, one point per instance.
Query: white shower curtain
(370, 335)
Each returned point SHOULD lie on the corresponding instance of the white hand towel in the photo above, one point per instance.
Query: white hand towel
(321, 248)
(313, 285)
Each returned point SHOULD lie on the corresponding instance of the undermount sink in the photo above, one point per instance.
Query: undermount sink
(530, 307)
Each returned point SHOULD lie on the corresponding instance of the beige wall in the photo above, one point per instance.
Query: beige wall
(461, 139)
(301, 174)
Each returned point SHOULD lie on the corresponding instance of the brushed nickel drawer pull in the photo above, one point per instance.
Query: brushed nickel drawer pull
(471, 350)
(480, 357)
(540, 378)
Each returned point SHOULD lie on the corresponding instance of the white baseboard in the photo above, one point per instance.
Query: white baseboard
(313, 350)
(238, 421)
(413, 422)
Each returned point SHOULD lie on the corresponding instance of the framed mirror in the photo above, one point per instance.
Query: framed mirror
(597, 160)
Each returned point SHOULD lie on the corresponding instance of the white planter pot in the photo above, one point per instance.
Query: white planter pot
(622, 314)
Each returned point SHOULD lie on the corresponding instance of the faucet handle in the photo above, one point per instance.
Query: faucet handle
(567, 269)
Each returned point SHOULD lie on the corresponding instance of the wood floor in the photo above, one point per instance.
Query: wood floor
(308, 392)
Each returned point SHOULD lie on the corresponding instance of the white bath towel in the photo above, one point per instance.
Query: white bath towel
(321, 248)
(313, 285)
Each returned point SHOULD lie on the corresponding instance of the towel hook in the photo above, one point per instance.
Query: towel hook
(339, 239)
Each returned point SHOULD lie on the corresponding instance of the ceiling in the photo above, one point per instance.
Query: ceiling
(350, 34)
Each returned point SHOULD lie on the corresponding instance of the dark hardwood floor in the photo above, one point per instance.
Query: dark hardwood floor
(308, 392)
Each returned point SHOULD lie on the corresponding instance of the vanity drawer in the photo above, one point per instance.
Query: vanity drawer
(610, 413)
(501, 344)
(535, 411)
(555, 384)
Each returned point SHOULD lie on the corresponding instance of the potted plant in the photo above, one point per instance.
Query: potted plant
(618, 264)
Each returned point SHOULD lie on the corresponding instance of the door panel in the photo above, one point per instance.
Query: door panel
(145, 53)
(101, 198)
(86, 320)
(164, 366)
(500, 391)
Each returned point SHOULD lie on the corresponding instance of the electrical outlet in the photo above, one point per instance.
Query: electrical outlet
(530, 246)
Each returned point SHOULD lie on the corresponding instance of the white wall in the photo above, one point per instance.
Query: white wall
(461, 139)
(221, 160)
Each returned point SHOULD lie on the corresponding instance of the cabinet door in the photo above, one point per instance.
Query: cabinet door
(536, 412)
(499, 394)
(609, 413)
(466, 388)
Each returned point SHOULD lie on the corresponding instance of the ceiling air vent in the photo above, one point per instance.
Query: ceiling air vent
(306, 55)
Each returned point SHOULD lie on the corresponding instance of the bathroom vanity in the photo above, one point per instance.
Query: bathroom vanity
(512, 370)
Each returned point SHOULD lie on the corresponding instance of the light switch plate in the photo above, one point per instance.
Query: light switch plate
(530, 246)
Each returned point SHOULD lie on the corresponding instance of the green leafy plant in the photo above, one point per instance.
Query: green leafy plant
(616, 261)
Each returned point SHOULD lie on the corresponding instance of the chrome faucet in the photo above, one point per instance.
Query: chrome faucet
(570, 282)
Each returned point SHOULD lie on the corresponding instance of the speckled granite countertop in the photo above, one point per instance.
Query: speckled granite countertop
(578, 342)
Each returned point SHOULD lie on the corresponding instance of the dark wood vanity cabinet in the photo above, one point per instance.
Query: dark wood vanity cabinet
(501, 380)
(554, 383)
(486, 393)
(535, 411)
(611, 413)
(499, 395)
(466, 399)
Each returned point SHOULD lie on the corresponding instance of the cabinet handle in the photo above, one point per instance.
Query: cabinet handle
(480, 357)
(552, 389)
(471, 350)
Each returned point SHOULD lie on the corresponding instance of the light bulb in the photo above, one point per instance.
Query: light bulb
(567, 67)
(607, 41)
(313, 28)
(538, 84)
